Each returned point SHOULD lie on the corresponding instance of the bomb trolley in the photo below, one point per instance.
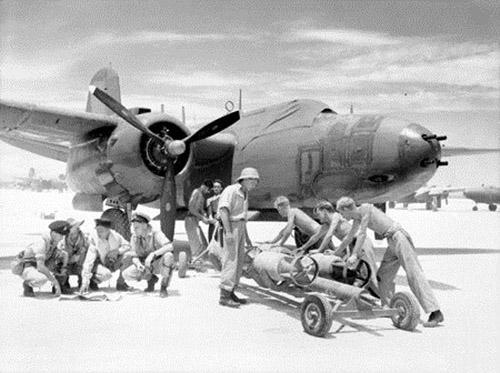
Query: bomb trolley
(326, 298)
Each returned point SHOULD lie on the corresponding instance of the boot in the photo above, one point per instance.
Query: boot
(226, 300)
(93, 285)
(163, 288)
(121, 285)
(435, 318)
(27, 290)
(62, 279)
(236, 299)
(151, 284)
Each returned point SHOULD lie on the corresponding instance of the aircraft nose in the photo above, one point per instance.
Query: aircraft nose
(419, 146)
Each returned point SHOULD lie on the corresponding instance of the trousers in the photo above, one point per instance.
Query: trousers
(197, 241)
(402, 253)
(233, 257)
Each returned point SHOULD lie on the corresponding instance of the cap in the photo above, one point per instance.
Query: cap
(248, 173)
(140, 217)
(103, 223)
(74, 223)
(60, 226)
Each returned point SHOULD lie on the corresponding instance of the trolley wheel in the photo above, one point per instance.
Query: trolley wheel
(409, 311)
(316, 315)
(183, 264)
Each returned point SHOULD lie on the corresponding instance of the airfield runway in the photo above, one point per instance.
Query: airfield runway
(189, 331)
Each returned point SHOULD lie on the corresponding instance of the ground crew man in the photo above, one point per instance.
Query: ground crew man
(76, 245)
(233, 209)
(42, 261)
(197, 202)
(304, 226)
(106, 254)
(213, 207)
(333, 224)
(152, 254)
(400, 252)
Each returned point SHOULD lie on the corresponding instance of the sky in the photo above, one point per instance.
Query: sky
(433, 62)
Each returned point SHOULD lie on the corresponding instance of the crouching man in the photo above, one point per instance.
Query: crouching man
(152, 254)
(42, 261)
(106, 254)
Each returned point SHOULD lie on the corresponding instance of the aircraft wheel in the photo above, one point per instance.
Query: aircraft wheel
(392, 204)
(409, 311)
(119, 221)
(183, 264)
(492, 207)
(316, 315)
(474, 208)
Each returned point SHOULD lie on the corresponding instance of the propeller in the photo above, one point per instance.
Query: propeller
(171, 148)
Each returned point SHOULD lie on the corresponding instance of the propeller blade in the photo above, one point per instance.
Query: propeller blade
(167, 202)
(213, 127)
(122, 112)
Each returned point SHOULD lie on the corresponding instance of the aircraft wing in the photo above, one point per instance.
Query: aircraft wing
(457, 151)
(48, 132)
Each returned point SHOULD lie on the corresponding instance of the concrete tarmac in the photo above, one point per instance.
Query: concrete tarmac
(189, 331)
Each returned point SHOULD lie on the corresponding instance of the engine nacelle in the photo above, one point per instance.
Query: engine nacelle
(126, 164)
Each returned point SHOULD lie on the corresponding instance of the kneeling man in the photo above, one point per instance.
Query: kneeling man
(152, 254)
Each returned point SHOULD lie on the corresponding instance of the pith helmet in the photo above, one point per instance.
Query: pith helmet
(248, 173)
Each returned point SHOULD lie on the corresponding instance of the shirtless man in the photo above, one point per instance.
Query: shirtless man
(305, 227)
(400, 252)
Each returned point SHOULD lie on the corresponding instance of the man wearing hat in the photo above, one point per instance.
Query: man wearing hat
(233, 209)
(152, 254)
(76, 245)
(105, 255)
(43, 261)
(197, 213)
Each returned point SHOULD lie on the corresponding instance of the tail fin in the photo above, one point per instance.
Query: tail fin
(107, 80)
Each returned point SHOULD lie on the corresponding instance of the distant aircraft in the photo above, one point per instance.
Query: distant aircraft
(432, 196)
(40, 184)
(484, 194)
(302, 149)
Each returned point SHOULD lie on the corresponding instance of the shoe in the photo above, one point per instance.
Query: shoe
(435, 318)
(151, 284)
(93, 285)
(163, 292)
(226, 300)
(238, 300)
(122, 286)
(28, 290)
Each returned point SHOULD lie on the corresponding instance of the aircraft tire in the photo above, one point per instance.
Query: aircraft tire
(316, 315)
(183, 264)
(392, 204)
(492, 207)
(409, 311)
(474, 208)
(119, 221)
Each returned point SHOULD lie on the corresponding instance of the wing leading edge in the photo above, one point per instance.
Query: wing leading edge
(48, 132)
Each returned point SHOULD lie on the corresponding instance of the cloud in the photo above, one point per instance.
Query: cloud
(340, 36)
(196, 79)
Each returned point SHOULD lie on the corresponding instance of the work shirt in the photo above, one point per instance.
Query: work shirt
(100, 248)
(75, 246)
(143, 246)
(43, 248)
(235, 200)
(197, 203)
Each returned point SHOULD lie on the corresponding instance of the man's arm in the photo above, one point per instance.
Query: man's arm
(42, 268)
(313, 239)
(329, 233)
(360, 239)
(348, 239)
(195, 202)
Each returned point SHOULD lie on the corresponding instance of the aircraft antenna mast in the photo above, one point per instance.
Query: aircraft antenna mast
(162, 108)
(183, 115)
(240, 102)
(352, 109)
